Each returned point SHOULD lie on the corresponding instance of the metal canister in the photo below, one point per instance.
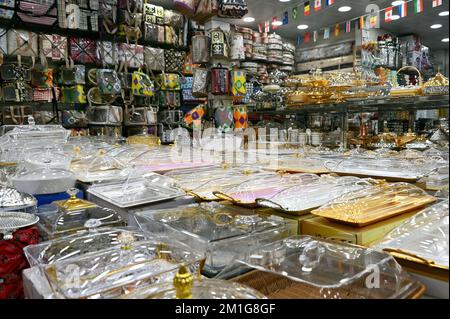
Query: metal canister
(219, 44)
(200, 48)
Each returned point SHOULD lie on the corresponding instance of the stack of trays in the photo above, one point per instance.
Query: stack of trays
(288, 57)
(275, 48)
(260, 52)
(263, 74)
(248, 40)
(250, 67)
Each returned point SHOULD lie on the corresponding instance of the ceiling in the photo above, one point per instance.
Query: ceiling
(263, 10)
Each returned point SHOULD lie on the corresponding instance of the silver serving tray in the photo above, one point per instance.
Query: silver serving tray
(11, 221)
(138, 193)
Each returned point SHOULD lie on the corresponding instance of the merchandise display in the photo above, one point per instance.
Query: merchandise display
(220, 231)
(301, 267)
(223, 149)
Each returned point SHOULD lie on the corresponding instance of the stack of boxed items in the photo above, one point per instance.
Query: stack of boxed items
(288, 58)
(275, 49)
(263, 74)
(248, 41)
(260, 46)
(251, 68)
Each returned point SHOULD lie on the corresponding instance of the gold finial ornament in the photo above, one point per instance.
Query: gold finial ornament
(74, 203)
(183, 283)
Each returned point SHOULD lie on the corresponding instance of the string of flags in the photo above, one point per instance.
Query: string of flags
(370, 20)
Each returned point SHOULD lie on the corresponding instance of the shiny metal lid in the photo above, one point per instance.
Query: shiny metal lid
(11, 198)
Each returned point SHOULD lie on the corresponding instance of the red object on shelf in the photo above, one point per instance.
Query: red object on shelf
(13, 262)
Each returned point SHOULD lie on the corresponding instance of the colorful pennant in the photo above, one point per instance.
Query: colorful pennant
(337, 30)
(418, 6)
(348, 26)
(373, 21)
(295, 13)
(275, 25)
(437, 3)
(317, 5)
(315, 36)
(326, 33)
(362, 22)
(329, 2)
(388, 14)
(403, 10)
(307, 37)
(307, 8)
(286, 18)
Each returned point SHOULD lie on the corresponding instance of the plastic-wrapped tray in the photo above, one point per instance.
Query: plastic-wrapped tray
(373, 204)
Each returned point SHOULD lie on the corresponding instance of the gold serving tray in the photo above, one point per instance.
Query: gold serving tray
(420, 265)
(371, 209)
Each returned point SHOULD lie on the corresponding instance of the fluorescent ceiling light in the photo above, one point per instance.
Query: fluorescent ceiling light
(397, 3)
(436, 26)
(303, 27)
(443, 13)
(345, 9)
(249, 19)
(445, 40)
(285, 0)
(395, 17)
(277, 23)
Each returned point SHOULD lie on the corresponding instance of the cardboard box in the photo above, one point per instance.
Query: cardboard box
(293, 220)
(364, 236)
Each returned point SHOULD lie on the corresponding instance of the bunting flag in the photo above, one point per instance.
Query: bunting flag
(418, 6)
(315, 36)
(307, 37)
(337, 30)
(362, 22)
(286, 18)
(403, 10)
(348, 26)
(307, 9)
(373, 21)
(275, 25)
(261, 28)
(295, 13)
(317, 5)
(267, 27)
(326, 33)
(330, 2)
(437, 3)
(388, 14)
(299, 40)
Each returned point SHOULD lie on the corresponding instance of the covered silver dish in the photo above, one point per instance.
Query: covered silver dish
(14, 200)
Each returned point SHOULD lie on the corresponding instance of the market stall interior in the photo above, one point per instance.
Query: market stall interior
(225, 149)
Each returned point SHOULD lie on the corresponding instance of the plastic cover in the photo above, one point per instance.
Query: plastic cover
(305, 267)
(201, 183)
(44, 180)
(265, 186)
(400, 169)
(117, 270)
(375, 203)
(60, 222)
(220, 230)
(150, 188)
(425, 236)
(75, 245)
(201, 289)
(303, 198)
